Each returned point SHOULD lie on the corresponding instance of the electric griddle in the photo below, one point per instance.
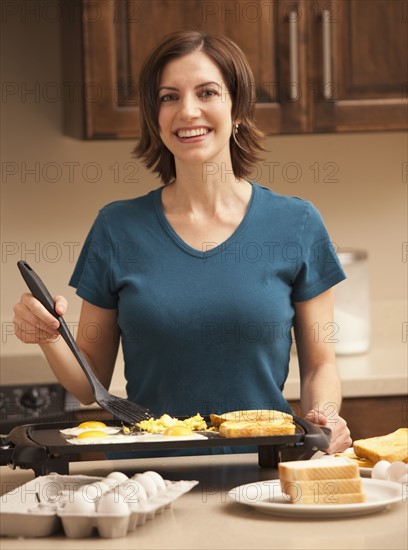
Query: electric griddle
(42, 448)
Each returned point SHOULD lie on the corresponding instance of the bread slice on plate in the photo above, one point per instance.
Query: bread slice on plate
(307, 470)
(252, 416)
(331, 481)
(391, 447)
(259, 428)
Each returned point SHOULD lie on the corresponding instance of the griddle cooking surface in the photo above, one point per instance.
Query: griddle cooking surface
(56, 442)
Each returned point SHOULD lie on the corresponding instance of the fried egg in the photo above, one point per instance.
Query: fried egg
(92, 434)
(91, 425)
(177, 430)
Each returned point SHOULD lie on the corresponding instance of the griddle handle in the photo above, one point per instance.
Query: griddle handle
(26, 454)
(317, 438)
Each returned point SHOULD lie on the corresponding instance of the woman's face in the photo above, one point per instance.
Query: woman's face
(195, 112)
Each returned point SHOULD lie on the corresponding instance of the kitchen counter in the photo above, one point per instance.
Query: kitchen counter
(382, 371)
(205, 518)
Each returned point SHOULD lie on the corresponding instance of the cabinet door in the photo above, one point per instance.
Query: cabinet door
(358, 65)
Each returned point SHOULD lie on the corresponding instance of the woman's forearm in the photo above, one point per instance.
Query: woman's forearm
(321, 390)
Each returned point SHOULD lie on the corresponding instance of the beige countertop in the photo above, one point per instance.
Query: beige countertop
(205, 518)
(382, 371)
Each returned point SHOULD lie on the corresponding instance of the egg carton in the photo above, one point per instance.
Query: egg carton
(85, 505)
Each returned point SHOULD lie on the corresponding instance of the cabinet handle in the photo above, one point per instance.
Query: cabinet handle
(327, 66)
(293, 56)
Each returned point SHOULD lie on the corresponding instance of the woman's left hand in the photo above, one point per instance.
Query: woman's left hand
(340, 439)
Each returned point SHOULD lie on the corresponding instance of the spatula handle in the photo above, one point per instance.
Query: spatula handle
(37, 287)
(41, 293)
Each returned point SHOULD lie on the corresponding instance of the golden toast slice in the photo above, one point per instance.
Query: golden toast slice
(391, 447)
(252, 416)
(259, 428)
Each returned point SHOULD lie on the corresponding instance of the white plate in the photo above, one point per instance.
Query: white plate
(267, 497)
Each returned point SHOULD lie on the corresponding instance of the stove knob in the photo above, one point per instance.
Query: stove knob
(31, 399)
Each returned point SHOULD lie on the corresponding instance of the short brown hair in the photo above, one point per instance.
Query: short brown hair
(239, 80)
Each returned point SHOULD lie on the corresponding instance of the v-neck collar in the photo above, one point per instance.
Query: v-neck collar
(193, 251)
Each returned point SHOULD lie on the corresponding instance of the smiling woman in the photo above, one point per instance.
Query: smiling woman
(204, 325)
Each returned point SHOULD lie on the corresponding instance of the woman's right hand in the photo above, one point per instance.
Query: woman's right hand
(33, 324)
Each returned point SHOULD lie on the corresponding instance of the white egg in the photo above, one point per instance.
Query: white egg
(77, 503)
(118, 476)
(148, 484)
(380, 470)
(396, 470)
(157, 478)
(112, 503)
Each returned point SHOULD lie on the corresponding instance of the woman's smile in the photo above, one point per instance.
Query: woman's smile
(193, 134)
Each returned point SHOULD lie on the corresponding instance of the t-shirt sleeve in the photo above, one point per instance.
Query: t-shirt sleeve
(93, 276)
(318, 268)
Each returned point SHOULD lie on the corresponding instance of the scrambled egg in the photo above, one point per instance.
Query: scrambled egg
(158, 425)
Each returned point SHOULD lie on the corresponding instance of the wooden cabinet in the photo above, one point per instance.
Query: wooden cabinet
(359, 66)
(319, 66)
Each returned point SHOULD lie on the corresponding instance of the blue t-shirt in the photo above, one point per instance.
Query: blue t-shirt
(207, 330)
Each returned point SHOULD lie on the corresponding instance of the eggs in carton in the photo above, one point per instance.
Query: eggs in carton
(83, 505)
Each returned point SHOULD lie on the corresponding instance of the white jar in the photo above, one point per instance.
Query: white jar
(352, 304)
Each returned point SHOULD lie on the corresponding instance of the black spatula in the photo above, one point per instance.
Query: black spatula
(122, 409)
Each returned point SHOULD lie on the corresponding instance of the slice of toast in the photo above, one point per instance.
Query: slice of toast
(252, 416)
(391, 447)
(314, 470)
(260, 428)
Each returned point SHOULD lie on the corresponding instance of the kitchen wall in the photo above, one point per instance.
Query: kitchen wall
(53, 186)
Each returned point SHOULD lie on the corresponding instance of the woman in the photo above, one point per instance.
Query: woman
(203, 278)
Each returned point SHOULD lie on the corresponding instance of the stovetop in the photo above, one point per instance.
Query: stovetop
(30, 393)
